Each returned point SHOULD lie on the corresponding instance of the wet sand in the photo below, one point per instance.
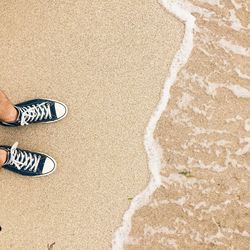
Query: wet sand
(107, 61)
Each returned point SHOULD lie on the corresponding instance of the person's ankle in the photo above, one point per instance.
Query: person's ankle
(3, 157)
(11, 116)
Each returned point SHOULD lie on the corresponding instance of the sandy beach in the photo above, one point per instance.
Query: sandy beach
(107, 61)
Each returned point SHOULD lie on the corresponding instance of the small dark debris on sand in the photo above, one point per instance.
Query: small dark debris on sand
(186, 173)
(50, 246)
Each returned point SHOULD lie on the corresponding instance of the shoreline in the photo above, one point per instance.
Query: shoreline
(153, 149)
(203, 201)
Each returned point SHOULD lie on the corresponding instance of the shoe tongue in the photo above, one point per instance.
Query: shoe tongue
(18, 115)
(8, 157)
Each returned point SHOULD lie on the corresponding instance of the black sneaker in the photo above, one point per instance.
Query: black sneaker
(38, 111)
(28, 163)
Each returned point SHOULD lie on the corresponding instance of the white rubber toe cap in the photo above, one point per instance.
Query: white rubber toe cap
(49, 166)
(61, 110)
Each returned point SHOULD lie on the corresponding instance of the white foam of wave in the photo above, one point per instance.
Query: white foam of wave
(230, 47)
(234, 119)
(151, 146)
(149, 230)
(239, 91)
(235, 22)
(212, 2)
(246, 205)
(236, 89)
(182, 181)
(247, 125)
(246, 148)
(236, 5)
(168, 242)
(242, 75)
(185, 100)
(195, 9)
(179, 201)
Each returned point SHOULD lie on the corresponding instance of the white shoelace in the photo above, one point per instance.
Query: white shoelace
(23, 160)
(35, 113)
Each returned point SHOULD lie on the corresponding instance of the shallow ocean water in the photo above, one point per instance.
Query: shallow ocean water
(203, 201)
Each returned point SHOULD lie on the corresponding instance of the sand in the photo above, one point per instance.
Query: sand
(107, 61)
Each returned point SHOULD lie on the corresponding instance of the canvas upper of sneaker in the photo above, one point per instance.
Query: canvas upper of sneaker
(38, 111)
(28, 163)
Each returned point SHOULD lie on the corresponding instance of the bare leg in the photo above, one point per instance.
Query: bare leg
(8, 113)
(3, 157)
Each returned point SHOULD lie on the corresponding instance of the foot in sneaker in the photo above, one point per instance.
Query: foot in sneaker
(28, 163)
(38, 111)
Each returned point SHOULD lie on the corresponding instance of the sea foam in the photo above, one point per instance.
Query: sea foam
(153, 149)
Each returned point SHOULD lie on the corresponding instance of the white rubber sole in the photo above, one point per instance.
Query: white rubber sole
(42, 175)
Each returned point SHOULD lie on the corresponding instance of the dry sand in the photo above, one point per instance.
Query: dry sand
(107, 60)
